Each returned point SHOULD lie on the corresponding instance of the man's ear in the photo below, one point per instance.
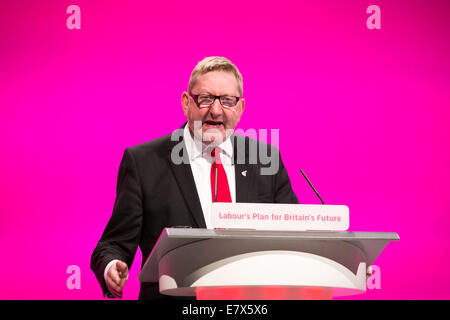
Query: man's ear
(242, 105)
(185, 103)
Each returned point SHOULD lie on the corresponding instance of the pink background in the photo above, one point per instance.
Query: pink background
(364, 112)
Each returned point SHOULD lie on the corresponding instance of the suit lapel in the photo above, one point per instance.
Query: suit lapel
(242, 170)
(185, 179)
(186, 184)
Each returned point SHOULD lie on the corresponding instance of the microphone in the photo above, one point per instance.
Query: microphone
(309, 182)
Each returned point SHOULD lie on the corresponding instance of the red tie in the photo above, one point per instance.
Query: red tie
(223, 190)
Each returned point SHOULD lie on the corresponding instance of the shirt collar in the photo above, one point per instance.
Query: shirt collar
(195, 147)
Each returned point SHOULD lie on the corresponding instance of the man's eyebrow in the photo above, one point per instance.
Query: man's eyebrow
(206, 91)
(222, 95)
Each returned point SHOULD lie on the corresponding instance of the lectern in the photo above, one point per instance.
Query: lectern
(250, 264)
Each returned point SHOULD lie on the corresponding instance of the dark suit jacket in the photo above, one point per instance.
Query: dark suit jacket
(154, 193)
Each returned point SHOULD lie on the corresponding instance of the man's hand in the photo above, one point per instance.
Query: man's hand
(116, 277)
(369, 272)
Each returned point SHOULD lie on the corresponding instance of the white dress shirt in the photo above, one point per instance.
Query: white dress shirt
(201, 162)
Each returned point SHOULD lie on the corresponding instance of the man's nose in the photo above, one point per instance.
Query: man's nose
(216, 108)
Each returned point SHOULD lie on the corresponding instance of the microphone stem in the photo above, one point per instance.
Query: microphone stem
(310, 184)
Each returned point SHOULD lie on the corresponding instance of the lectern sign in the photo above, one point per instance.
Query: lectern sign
(281, 217)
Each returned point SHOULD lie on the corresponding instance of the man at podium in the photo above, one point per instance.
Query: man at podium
(171, 181)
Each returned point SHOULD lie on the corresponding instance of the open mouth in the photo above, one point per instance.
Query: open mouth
(213, 123)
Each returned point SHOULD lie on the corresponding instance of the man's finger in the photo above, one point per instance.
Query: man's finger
(114, 275)
(115, 293)
(111, 284)
(122, 269)
(121, 266)
(123, 274)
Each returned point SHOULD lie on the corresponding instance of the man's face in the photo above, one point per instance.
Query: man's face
(216, 123)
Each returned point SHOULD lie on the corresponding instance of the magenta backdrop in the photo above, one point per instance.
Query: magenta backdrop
(364, 112)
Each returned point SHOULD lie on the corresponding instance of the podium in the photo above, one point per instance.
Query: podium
(249, 264)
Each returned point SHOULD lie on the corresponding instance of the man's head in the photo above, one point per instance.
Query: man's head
(211, 118)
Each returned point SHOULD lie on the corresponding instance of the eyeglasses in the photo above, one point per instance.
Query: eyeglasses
(207, 100)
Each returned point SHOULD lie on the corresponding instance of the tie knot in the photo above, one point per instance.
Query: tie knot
(215, 154)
